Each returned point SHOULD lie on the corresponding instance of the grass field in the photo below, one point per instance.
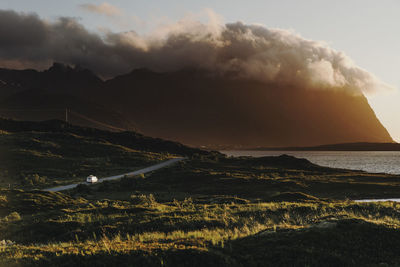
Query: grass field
(209, 210)
(54, 229)
(39, 155)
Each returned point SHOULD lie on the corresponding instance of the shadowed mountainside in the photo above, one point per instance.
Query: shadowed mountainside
(37, 96)
(129, 139)
(203, 109)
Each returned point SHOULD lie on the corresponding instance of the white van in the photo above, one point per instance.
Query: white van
(91, 179)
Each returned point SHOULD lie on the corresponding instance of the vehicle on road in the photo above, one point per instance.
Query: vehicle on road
(91, 179)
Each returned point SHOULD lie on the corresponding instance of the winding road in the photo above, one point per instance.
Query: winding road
(116, 177)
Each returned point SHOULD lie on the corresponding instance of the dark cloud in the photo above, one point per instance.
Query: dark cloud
(250, 51)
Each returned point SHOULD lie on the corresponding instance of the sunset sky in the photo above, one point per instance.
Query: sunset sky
(367, 31)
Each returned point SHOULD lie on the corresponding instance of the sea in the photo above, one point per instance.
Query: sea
(370, 161)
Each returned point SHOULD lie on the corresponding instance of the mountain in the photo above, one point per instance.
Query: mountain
(38, 105)
(37, 96)
(205, 109)
(59, 77)
(199, 108)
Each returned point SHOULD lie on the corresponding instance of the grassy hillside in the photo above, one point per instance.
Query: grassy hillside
(215, 211)
(209, 210)
(53, 229)
(39, 154)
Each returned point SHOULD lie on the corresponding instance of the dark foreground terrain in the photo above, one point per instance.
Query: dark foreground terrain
(208, 210)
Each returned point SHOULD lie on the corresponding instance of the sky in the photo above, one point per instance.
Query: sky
(365, 30)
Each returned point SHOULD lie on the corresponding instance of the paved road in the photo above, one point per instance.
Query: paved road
(115, 177)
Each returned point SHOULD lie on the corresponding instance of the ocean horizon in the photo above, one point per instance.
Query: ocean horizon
(369, 161)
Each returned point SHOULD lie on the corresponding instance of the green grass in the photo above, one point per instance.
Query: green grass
(50, 153)
(209, 210)
(37, 160)
(143, 230)
(265, 179)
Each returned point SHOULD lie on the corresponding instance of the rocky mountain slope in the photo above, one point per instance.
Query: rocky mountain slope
(195, 107)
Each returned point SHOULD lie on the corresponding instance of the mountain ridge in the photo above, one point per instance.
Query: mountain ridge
(201, 108)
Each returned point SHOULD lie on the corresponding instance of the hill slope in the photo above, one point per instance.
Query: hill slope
(203, 109)
(53, 152)
(37, 96)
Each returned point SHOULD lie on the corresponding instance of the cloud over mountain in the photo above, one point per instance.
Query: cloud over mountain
(240, 50)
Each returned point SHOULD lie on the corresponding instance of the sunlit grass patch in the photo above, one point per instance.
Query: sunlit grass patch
(144, 227)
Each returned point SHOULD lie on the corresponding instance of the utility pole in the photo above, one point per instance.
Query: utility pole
(66, 115)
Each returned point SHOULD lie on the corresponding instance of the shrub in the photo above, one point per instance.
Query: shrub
(188, 203)
(3, 201)
(13, 217)
(34, 179)
(147, 200)
(5, 243)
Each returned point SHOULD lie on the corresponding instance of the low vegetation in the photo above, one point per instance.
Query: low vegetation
(282, 178)
(209, 210)
(43, 154)
(59, 230)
